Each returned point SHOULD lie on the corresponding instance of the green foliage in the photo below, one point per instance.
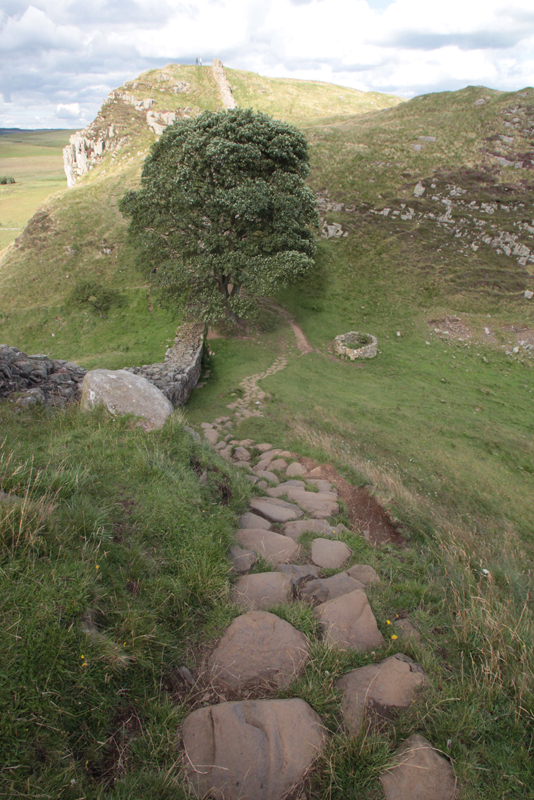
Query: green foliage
(94, 295)
(223, 215)
(5, 179)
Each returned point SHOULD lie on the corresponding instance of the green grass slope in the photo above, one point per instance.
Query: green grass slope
(79, 234)
(34, 159)
(439, 426)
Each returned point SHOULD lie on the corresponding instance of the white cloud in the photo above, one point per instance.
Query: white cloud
(59, 54)
(68, 111)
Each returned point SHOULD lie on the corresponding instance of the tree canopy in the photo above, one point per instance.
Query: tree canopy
(223, 215)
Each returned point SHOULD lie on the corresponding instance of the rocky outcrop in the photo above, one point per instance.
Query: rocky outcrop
(87, 147)
(225, 91)
(28, 380)
(179, 373)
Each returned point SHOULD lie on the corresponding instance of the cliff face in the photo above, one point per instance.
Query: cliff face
(129, 117)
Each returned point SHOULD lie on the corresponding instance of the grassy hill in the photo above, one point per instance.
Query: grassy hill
(34, 159)
(435, 196)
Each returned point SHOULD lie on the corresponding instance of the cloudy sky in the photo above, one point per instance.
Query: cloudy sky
(60, 58)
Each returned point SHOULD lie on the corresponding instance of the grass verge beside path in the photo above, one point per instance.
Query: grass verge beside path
(113, 569)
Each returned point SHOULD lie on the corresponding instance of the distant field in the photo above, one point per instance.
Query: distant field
(34, 159)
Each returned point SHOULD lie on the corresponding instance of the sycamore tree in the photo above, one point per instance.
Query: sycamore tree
(223, 216)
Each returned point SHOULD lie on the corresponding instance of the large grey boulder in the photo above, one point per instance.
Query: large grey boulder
(122, 392)
(420, 773)
(258, 649)
(392, 683)
(251, 750)
(349, 623)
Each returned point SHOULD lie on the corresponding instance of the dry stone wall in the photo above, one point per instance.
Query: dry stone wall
(179, 373)
(27, 380)
(223, 86)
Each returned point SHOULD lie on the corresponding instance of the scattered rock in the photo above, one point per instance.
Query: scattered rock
(258, 648)
(323, 589)
(420, 773)
(275, 510)
(211, 435)
(419, 190)
(391, 683)
(274, 547)
(242, 560)
(242, 454)
(251, 750)
(250, 520)
(528, 294)
(262, 448)
(295, 469)
(363, 573)
(349, 623)
(122, 392)
(329, 554)
(406, 630)
(262, 590)
(194, 434)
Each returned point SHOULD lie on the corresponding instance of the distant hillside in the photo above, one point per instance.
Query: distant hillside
(79, 232)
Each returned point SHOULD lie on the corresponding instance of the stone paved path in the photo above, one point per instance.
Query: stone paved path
(252, 394)
(250, 749)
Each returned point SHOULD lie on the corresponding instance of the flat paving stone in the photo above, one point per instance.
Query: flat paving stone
(329, 554)
(251, 749)
(392, 683)
(275, 510)
(211, 435)
(250, 520)
(363, 573)
(296, 469)
(262, 448)
(282, 488)
(296, 529)
(242, 454)
(258, 649)
(274, 547)
(242, 560)
(323, 589)
(265, 475)
(420, 773)
(323, 486)
(317, 504)
(299, 572)
(278, 464)
(262, 590)
(349, 623)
